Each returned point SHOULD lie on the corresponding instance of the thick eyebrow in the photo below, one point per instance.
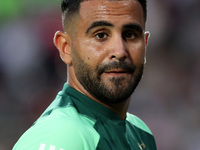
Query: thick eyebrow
(133, 26)
(98, 24)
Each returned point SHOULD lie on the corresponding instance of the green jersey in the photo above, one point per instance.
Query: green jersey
(75, 122)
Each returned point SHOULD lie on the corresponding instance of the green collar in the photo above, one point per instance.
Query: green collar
(89, 107)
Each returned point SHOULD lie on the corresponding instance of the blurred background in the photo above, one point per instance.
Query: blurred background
(167, 99)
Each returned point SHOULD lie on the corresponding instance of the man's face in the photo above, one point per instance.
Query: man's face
(108, 48)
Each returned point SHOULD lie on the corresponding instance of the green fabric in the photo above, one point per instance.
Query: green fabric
(15, 8)
(60, 126)
(75, 122)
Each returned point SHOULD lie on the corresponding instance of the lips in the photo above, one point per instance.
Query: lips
(116, 68)
(116, 71)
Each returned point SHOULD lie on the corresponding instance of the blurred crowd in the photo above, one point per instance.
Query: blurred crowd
(167, 99)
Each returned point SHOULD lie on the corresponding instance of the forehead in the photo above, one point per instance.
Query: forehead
(115, 10)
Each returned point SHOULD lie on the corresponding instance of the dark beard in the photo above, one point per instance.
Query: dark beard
(90, 79)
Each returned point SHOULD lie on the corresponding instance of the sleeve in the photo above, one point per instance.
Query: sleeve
(58, 133)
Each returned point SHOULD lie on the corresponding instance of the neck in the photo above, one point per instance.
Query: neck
(120, 108)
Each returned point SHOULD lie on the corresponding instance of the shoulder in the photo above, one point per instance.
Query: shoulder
(137, 122)
(64, 128)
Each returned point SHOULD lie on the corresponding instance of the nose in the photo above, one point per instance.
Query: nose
(117, 48)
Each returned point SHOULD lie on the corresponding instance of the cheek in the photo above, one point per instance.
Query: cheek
(91, 52)
(137, 54)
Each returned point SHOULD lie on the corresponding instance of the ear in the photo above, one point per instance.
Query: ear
(147, 35)
(63, 43)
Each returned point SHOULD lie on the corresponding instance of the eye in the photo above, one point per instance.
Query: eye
(101, 35)
(129, 35)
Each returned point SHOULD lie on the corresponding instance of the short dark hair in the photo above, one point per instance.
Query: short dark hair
(69, 7)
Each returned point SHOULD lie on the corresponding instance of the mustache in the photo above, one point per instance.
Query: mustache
(129, 68)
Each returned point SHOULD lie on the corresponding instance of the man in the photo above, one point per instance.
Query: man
(103, 45)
